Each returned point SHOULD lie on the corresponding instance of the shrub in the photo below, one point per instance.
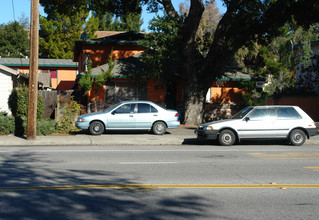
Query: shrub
(18, 104)
(46, 127)
(6, 124)
(67, 116)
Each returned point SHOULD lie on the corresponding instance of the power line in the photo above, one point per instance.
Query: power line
(14, 16)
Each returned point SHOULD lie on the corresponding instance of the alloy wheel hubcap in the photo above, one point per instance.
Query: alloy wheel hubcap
(97, 128)
(159, 128)
(298, 138)
(227, 138)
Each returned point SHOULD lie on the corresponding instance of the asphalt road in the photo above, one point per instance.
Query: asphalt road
(159, 182)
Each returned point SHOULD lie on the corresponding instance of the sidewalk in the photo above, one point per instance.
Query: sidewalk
(172, 137)
(179, 136)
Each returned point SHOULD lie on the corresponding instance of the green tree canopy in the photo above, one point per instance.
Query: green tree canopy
(244, 21)
(67, 19)
(14, 40)
(127, 22)
(58, 34)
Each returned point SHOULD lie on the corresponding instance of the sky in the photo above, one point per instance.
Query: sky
(12, 10)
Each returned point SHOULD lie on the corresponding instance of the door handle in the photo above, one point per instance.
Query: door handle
(154, 115)
(131, 116)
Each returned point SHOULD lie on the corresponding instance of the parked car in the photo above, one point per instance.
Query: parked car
(261, 122)
(130, 115)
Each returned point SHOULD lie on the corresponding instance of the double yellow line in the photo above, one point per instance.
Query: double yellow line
(148, 187)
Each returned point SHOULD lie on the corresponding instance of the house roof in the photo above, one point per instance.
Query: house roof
(41, 62)
(9, 70)
(43, 79)
(126, 66)
(120, 38)
(123, 67)
(313, 43)
(235, 74)
(101, 34)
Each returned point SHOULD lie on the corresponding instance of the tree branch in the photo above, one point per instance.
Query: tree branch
(169, 8)
(192, 21)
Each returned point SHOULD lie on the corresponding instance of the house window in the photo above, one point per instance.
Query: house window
(123, 91)
(53, 73)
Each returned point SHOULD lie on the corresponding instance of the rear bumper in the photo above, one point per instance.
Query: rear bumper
(313, 131)
(173, 124)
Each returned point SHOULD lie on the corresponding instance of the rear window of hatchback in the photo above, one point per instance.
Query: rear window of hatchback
(287, 113)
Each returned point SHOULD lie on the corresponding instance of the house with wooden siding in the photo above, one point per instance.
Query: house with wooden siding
(8, 76)
(126, 83)
(126, 50)
(59, 74)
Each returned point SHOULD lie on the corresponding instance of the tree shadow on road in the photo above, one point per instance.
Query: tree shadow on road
(25, 169)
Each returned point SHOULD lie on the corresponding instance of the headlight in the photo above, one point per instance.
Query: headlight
(209, 127)
(81, 119)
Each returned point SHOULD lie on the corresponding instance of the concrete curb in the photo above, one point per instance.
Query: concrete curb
(179, 136)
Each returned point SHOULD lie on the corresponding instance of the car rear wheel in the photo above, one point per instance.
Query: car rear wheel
(297, 137)
(159, 128)
(96, 128)
(226, 138)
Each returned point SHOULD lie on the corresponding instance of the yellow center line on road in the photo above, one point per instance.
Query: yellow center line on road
(142, 187)
(286, 156)
(313, 168)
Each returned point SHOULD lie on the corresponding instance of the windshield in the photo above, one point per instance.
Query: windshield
(241, 114)
(112, 107)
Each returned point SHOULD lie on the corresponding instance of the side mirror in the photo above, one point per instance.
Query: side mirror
(113, 113)
(247, 119)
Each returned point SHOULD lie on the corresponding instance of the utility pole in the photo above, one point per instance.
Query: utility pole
(33, 75)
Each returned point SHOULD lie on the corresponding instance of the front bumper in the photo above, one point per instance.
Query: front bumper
(206, 134)
(82, 125)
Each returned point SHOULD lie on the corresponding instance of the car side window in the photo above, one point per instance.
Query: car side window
(144, 108)
(262, 114)
(153, 109)
(288, 113)
(127, 108)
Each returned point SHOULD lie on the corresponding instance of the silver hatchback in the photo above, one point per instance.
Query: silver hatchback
(261, 122)
(130, 115)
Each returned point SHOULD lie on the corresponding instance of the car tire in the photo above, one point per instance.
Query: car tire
(96, 128)
(226, 138)
(297, 137)
(159, 128)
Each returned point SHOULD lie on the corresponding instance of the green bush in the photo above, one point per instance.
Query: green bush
(46, 127)
(6, 124)
(67, 117)
(18, 104)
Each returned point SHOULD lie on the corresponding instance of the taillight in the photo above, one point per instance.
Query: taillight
(177, 115)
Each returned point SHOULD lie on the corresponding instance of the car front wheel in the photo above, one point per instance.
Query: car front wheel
(96, 128)
(297, 137)
(226, 138)
(159, 128)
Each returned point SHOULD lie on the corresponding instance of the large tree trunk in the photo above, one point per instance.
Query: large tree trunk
(194, 101)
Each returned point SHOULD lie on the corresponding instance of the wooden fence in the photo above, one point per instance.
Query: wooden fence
(310, 104)
(52, 101)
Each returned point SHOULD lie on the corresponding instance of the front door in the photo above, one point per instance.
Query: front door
(259, 124)
(122, 117)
